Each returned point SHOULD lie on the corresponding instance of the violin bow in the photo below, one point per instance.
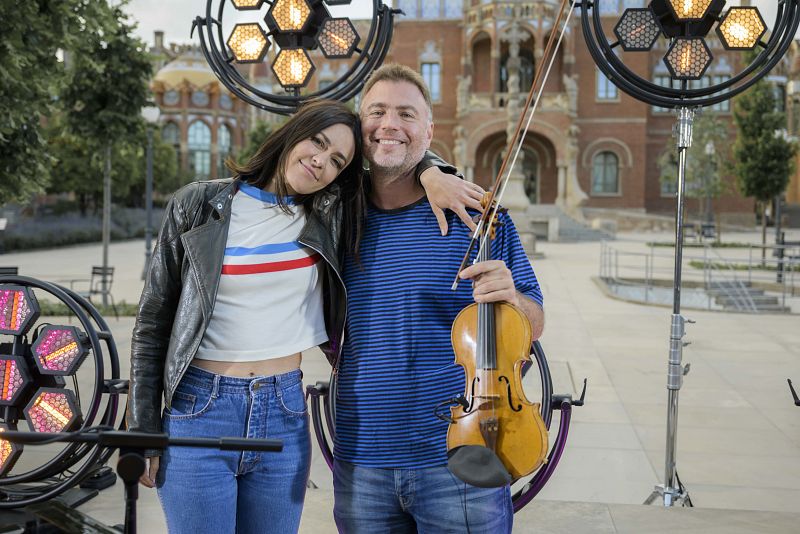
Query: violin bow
(537, 89)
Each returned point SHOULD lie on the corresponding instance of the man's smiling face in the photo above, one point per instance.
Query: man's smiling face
(396, 126)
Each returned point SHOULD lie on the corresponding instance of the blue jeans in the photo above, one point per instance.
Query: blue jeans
(208, 490)
(368, 500)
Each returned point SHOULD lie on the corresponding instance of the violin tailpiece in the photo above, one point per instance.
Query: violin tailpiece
(489, 429)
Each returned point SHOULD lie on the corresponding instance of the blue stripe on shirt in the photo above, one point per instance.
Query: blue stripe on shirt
(273, 248)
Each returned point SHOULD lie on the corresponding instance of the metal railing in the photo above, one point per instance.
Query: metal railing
(732, 280)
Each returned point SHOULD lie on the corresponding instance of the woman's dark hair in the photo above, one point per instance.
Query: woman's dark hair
(270, 161)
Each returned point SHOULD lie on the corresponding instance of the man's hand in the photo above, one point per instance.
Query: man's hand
(493, 282)
(447, 191)
(149, 478)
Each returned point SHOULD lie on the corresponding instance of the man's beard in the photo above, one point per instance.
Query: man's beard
(393, 164)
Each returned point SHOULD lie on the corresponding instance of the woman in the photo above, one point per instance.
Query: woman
(243, 278)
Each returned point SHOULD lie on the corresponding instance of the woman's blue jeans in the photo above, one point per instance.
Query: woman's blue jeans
(208, 490)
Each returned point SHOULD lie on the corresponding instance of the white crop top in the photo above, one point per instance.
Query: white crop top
(269, 302)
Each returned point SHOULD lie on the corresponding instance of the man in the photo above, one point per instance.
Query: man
(397, 365)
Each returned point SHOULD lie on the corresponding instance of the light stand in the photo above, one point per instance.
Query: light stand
(688, 57)
(295, 27)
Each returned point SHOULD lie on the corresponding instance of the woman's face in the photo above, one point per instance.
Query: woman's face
(314, 163)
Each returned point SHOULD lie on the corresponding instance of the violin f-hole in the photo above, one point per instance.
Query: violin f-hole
(503, 378)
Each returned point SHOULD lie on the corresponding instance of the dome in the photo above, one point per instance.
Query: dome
(190, 66)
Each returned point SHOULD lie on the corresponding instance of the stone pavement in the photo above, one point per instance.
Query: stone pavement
(739, 432)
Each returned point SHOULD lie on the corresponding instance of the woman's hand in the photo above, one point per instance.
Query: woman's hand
(447, 191)
(148, 479)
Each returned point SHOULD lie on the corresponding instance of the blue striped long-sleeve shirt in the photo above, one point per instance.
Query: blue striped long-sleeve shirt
(398, 362)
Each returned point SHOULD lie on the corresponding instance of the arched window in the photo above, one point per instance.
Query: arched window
(605, 174)
(223, 149)
(200, 149)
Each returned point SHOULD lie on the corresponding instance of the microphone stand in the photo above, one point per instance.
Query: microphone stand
(131, 464)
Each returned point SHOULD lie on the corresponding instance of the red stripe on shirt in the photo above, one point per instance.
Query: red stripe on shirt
(272, 266)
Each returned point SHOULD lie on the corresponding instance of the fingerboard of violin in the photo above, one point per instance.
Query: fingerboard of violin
(487, 341)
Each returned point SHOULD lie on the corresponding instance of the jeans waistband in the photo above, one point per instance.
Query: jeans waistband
(234, 384)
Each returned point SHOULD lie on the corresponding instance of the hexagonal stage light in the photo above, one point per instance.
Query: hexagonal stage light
(248, 43)
(637, 30)
(15, 379)
(293, 67)
(289, 15)
(686, 10)
(688, 58)
(741, 28)
(247, 5)
(59, 350)
(19, 309)
(9, 452)
(338, 38)
(52, 410)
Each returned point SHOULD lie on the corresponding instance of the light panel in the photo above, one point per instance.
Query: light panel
(9, 452)
(15, 379)
(338, 38)
(741, 28)
(637, 30)
(248, 43)
(18, 309)
(688, 58)
(247, 5)
(686, 10)
(293, 67)
(289, 15)
(52, 410)
(59, 350)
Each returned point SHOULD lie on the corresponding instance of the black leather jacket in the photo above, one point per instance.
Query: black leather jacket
(181, 288)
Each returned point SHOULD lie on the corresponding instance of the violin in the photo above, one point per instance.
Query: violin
(492, 342)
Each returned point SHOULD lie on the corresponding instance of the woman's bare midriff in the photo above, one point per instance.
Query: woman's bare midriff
(273, 366)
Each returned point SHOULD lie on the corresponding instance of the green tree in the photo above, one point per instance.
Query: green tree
(35, 34)
(764, 159)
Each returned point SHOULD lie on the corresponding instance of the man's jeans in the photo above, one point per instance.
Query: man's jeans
(208, 490)
(369, 500)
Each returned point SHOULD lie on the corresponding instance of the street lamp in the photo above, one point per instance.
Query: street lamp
(150, 114)
(685, 24)
(289, 31)
(710, 152)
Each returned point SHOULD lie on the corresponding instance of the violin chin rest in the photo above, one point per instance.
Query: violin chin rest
(478, 466)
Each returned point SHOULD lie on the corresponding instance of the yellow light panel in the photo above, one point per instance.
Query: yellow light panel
(293, 67)
(690, 9)
(741, 28)
(247, 4)
(337, 38)
(688, 58)
(248, 43)
(290, 15)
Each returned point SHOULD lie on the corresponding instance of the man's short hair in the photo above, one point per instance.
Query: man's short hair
(394, 72)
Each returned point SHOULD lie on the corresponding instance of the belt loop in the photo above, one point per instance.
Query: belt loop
(278, 390)
(215, 387)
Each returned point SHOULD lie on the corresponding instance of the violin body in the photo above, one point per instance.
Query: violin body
(499, 415)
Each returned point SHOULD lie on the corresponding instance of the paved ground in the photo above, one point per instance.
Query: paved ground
(739, 432)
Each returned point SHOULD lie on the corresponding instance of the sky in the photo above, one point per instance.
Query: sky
(175, 17)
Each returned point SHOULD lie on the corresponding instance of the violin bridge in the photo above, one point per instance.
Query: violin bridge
(489, 429)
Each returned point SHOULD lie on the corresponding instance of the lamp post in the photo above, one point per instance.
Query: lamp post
(150, 115)
(685, 25)
(712, 163)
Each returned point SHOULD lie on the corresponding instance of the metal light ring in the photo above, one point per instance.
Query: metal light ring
(73, 453)
(777, 38)
(348, 84)
(649, 93)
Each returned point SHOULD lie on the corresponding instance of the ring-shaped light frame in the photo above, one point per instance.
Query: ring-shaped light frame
(48, 485)
(369, 54)
(787, 21)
